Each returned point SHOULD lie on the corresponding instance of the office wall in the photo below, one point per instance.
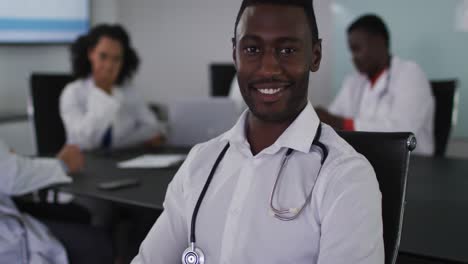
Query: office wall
(421, 30)
(178, 39)
(17, 62)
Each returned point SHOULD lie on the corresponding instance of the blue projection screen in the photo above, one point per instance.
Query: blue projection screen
(43, 21)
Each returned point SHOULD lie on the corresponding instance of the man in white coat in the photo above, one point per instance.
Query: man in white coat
(279, 187)
(386, 93)
(25, 240)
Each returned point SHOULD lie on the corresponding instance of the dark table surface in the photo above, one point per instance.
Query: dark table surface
(436, 215)
(102, 167)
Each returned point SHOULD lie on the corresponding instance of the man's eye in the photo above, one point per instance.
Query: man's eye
(287, 51)
(251, 50)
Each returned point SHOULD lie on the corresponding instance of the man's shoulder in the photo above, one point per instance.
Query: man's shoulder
(336, 145)
(343, 158)
(403, 65)
(208, 147)
(353, 80)
(404, 71)
(354, 76)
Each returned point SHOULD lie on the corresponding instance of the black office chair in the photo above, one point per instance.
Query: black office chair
(45, 92)
(221, 77)
(389, 155)
(48, 125)
(444, 94)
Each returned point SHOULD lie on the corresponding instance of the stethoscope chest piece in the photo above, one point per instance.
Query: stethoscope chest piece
(193, 255)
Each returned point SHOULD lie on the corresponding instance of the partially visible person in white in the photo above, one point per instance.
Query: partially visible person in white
(407, 105)
(386, 93)
(23, 239)
(99, 109)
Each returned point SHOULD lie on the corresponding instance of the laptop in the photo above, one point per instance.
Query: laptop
(196, 120)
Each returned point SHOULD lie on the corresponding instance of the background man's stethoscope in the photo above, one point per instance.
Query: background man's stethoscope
(194, 255)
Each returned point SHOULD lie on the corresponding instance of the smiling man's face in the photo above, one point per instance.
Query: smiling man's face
(274, 54)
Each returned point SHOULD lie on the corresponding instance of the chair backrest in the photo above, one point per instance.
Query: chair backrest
(444, 94)
(48, 126)
(221, 77)
(389, 154)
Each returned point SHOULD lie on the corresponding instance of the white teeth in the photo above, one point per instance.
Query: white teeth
(270, 90)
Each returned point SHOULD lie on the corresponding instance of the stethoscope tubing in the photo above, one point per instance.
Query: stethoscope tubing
(197, 253)
(203, 192)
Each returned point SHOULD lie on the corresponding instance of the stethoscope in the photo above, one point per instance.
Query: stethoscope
(194, 255)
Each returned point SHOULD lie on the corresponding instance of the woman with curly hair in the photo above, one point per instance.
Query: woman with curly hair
(99, 109)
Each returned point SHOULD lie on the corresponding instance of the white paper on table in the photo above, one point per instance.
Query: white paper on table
(152, 161)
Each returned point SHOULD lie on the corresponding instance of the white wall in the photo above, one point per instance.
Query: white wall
(178, 39)
(17, 62)
(16, 65)
(19, 137)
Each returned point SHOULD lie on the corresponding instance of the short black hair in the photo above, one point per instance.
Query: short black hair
(372, 24)
(307, 5)
(81, 65)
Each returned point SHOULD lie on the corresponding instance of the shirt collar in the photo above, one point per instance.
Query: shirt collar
(376, 77)
(298, 136)
(116, 91)
(90, 81)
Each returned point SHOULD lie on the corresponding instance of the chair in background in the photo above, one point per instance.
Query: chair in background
(389, 154)
(444, 92)
(45, 93)
(221, 77)
(48, 126)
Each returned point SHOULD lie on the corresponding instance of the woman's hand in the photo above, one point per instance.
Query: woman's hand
(156, 140)
(72, 157)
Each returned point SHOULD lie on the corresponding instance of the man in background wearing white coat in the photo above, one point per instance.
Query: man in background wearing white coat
(386, 93)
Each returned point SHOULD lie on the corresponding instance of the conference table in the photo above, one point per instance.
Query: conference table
(435, 223)
(101, 166)
(436, 215)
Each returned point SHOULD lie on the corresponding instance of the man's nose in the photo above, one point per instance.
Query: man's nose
(270, 65)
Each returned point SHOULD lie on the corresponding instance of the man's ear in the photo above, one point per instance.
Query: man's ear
(234, 52)
(316, 55)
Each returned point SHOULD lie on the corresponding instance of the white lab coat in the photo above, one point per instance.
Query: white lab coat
(401, 100)
(23, 239)
(341, 224)
(88, 112)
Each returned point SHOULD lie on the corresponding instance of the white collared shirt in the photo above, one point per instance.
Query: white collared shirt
(23, 239)
(341, 224)
(400, 101)
(88, 112)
